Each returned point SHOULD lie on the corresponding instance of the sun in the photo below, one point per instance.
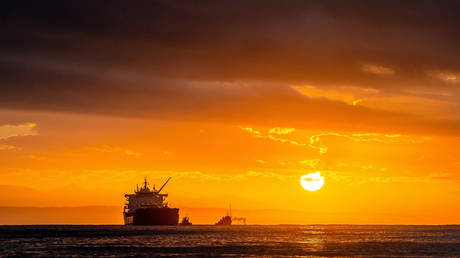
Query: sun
(312, 182)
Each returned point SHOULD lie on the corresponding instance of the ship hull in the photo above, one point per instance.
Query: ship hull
(153, 216)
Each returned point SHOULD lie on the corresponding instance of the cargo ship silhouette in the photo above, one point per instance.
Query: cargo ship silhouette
(148, 207)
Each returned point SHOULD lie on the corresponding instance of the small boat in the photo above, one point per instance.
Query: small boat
(185, 221)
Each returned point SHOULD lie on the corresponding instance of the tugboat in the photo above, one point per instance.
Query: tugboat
(185, 221)
(148, 207)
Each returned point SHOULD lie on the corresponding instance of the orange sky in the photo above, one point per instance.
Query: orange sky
(51, 159)
(235, 101)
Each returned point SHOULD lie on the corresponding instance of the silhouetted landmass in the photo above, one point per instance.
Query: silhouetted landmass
(61, 215)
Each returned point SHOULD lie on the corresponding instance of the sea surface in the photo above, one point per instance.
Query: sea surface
(247, 241)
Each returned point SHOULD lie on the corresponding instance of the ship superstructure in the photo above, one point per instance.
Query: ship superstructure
(148, 207)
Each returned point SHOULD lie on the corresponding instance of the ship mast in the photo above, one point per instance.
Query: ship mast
(145, 183)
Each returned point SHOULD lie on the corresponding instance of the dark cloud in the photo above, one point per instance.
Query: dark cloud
(149, 58)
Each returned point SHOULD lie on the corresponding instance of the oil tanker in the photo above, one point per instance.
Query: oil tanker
(148, 207)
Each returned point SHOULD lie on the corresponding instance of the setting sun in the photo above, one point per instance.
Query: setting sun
(312, 182)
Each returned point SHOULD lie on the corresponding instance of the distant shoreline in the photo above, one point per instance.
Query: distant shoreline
(112, 215)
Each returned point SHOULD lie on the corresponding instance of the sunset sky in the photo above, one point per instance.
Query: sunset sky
(235, 101)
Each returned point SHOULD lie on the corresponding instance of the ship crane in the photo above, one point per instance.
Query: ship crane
(164, 185)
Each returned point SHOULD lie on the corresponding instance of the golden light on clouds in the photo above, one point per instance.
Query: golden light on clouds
(8, 130)
(450, 77)
(378, 69)
(7, 147)
(279, 130)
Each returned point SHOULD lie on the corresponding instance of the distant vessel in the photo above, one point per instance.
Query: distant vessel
(185, 221)
(148, 207)
(225, 221)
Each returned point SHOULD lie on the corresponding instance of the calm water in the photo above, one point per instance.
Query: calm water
(312, 240)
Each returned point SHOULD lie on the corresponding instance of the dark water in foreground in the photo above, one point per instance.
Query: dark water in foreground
(310, 240)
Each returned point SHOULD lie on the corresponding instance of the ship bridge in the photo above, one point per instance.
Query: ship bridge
(146, 197)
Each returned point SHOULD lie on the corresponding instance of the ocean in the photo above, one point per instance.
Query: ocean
(247, 241)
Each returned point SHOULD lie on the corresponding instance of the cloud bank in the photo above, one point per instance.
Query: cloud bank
(237, 61)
